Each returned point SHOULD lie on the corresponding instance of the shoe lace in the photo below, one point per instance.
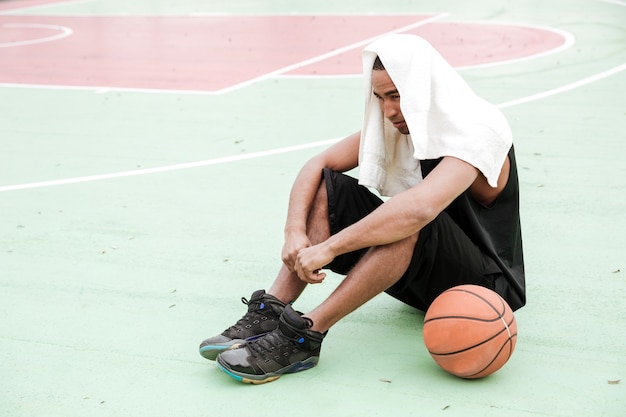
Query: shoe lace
(275, 340)
(250, 316)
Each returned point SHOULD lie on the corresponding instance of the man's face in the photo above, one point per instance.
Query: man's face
(389, 98)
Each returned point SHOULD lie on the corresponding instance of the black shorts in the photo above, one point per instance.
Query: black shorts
(443, 257)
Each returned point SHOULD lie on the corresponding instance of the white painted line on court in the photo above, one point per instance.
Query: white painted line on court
(278, 72)
(330, 54)
(65, 32)
(564, 88)
(569, 41)
(271, 152)
(168, 168)
(617, 2)
(102, 89)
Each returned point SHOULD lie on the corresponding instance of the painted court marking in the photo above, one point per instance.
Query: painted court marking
(417, 22)
(218, 54)
(567, 87)
(168, 168)
(335, 52)
(201, 53)
(65, 32)
(277, 151)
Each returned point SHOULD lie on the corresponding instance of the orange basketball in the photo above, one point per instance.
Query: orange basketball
(470, 331)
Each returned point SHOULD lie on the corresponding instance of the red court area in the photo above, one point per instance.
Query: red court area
(217, 53)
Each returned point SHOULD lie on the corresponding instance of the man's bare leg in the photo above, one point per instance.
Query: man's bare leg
(378, 270)
(287, 287)
(263, 312)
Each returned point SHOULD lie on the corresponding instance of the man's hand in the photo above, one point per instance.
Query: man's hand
(310, 261)
(294, 242)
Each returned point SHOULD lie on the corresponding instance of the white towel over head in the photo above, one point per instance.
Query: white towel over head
(444, 116)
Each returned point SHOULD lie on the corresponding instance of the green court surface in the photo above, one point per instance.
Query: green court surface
(132, 221)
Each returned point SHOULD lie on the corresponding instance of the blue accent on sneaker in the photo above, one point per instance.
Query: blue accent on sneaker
(269, 377)
(292, 347)
(211, 348)
(227, 372)
(251, 338)
(260, 319)
(210, 352)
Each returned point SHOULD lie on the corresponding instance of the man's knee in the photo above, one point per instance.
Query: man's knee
(396, 256)
(318, 228)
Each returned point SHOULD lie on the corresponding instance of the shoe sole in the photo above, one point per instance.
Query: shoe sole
(211, 352)
(269, 377)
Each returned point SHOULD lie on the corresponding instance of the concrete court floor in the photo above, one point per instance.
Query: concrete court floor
(108, 286)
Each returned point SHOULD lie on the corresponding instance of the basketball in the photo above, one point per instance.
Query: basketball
(470, 331)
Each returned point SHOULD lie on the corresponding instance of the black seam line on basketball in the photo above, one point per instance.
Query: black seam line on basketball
(464, 317)
(471, 347)
(484, 299)
(508, 342)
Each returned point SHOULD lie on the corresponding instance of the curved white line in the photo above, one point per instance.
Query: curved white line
(564, 88)
(616, 2)
(216, 161)
(65, 32)
(569, 41)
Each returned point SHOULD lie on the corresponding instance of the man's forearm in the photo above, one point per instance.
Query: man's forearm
(302, 195)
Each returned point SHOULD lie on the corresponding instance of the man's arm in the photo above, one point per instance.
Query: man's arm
(484, 193)
(398, 218)
(341, 157)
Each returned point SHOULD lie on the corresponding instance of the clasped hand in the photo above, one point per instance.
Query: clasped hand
(306, 260)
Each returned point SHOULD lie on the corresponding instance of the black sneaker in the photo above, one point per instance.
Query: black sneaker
(292, 347)
(264, 311)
